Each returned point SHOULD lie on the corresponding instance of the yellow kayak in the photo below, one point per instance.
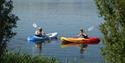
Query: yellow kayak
(71, 39)
(90, 40)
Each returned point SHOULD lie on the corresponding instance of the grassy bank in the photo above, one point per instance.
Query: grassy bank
(24, 58)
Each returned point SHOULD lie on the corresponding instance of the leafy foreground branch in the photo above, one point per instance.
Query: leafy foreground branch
(113, 29)
(24, 58)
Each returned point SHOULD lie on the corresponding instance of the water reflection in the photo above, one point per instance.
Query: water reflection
(40, 44)
(82, 47)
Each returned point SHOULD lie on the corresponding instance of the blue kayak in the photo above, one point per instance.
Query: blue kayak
(48, 36)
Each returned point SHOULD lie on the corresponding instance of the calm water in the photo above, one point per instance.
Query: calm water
(63, 16)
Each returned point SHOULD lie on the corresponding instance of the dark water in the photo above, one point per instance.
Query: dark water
(63, 16)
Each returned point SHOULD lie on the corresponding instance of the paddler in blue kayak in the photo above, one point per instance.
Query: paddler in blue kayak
(82, 34)
(39, 32)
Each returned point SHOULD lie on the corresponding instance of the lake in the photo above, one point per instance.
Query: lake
(63, 16)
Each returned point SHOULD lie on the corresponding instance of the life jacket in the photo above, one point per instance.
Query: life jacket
(84, 36)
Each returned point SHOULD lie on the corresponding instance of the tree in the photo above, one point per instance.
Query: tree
(113, 29)
(7, 22)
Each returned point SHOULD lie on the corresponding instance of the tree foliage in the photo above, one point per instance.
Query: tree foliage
(7, 22)
(113, 29)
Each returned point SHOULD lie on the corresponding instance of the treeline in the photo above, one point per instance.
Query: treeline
(113, 29)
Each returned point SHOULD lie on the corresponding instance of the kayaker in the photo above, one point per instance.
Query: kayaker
(39, 32)
(82, 34)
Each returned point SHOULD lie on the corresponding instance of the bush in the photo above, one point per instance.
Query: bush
(24, 58)
(113, 29)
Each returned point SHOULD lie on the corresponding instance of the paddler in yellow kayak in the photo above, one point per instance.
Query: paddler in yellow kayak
(82, 34)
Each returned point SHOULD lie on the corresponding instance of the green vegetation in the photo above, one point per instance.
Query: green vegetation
(24, 58)
(113, 29)
(7, 22)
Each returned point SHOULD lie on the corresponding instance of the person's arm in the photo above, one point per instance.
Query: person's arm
(85, 34)
(43, 33)
(78, 35)
(36, 33)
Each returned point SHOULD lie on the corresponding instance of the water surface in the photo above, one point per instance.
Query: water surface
(63, 16)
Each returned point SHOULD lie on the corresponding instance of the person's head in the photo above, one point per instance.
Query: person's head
(81, 30)
(40, 29)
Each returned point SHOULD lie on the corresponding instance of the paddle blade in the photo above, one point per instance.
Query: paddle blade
(91, 28)
(34, 25)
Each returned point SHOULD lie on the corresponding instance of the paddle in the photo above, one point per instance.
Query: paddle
(86, 30)
(90, 28)
(35, 25)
